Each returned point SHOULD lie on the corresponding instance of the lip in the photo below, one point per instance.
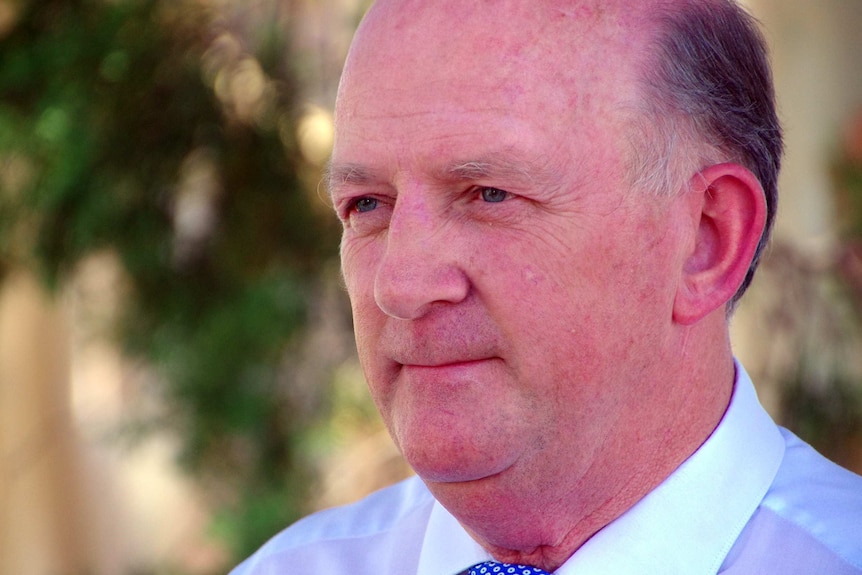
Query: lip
(453, 363)
(427, 382)
(429, 356)
(452, 371)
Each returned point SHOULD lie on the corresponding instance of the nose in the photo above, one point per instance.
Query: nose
(420, 266)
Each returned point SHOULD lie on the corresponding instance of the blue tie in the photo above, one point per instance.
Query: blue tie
(494, 568)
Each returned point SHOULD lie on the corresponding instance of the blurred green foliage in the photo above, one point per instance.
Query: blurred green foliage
(114, 137)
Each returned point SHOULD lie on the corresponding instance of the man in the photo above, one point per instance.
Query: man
(550, 209)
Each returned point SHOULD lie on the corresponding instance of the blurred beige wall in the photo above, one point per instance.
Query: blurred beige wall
(42, 524)
(73, 498)
(817, 58)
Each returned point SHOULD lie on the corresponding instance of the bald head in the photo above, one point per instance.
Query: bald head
(508, 49)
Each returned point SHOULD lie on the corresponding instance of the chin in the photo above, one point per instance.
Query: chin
(454, 463)
(446, 443)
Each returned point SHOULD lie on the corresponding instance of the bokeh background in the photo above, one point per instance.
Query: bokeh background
(177, 374)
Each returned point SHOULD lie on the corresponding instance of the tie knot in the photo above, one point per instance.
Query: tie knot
(494, 568)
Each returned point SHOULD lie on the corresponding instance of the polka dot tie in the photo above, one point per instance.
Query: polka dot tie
(494, 568)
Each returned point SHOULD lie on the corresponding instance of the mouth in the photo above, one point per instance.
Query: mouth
(445, 364)
(449, 371)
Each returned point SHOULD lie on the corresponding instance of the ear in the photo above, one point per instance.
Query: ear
(729, 209)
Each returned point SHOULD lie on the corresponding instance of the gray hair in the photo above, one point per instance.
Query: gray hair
(710, 98)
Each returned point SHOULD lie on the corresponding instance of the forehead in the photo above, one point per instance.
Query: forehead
(443, 70)
(515, 40)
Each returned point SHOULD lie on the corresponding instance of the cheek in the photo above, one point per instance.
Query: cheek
(580, 293)
(359, 258)
(358, 265)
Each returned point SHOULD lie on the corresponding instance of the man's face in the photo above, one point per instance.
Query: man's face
(511, 293)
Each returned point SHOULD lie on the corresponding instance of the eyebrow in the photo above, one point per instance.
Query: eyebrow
(488, 168)
(495, 166)
(507, 168)
(346, 174)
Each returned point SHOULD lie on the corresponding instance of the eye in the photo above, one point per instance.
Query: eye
(366, 204)
(493, 195)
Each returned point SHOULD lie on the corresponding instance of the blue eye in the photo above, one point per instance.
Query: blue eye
(494, 195)
(363, 205)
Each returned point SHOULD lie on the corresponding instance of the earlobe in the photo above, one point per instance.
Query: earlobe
(729, 216)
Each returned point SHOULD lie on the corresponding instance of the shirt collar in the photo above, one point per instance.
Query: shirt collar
(447, 548)
(686, 525)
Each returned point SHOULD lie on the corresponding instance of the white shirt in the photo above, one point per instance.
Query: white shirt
(753, 500)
